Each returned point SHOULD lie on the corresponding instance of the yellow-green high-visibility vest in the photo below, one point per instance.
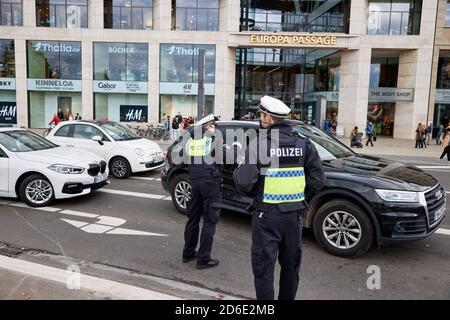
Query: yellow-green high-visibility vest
(199, 147)
(284, 185)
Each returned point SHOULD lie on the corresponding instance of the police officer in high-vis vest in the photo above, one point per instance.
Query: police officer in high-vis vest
(279, 206)
(205, 195)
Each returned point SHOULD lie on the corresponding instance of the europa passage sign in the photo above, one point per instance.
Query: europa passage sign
(133, 113)
(8, 112)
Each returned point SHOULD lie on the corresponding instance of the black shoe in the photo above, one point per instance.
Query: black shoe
(189, 258)
(211, 263)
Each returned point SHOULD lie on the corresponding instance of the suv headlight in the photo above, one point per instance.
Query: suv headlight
(398, 196)
(139, 152)
(60, 168)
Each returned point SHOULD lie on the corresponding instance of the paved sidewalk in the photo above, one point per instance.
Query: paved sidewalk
(397, 147)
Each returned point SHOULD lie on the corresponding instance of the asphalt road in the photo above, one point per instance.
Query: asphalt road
(414, 270)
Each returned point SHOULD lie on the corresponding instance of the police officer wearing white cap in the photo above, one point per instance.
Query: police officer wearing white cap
(278, 188)
(206, 195)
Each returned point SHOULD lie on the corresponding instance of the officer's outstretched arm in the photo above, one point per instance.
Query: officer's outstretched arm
(246, 175)
(315, 176)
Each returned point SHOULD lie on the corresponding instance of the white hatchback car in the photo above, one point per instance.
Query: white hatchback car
(38, 171)
(125, 152)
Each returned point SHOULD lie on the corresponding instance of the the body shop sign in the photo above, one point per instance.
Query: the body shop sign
(442, 96)
(390, 94)
(8, 112)
(7, 84)
(121, 86)
(54, 85)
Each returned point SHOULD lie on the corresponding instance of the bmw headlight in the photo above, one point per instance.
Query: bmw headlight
(139, 152)
(64, 169)
(398, 196)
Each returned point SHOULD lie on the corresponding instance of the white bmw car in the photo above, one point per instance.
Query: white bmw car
(124, 151)
(38, 171)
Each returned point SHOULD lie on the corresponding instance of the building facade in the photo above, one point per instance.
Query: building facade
(341, 62)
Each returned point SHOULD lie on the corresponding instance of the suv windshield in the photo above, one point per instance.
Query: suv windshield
(119, 132)
(327, 147)
(24, 141)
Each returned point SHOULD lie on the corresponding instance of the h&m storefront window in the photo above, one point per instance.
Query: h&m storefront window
(297, 16)
(120, 81)
(10, 12)
(128, 14)
(442, 98)
(179, 78)
(299, 77)
(8, 108)
(54, 81)
(62, 13)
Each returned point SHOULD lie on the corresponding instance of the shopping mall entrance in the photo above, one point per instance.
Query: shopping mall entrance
(299, 77)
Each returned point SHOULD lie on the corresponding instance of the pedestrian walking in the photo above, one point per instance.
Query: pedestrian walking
(439, 133)
(278, 189)
(206, 195)
(445, 143)
(429, 132)
(370, 132)
(166, 128)
(353, 135)
(419, 135)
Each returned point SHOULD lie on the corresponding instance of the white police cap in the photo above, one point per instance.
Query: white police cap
(208, 119)
(274, 107)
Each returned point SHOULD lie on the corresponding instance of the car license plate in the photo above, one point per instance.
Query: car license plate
(157, 159)
(438, 214)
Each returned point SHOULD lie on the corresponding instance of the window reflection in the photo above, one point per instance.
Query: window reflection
(200, 15)
(7, 59)
(10, 12)
(394, 17)
(120, 61)
(179, 63)
(54, 60)
(292, 15)
(61, 13)
(128, 14)
(447, 14)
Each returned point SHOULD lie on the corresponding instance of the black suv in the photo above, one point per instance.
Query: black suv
(365, 199)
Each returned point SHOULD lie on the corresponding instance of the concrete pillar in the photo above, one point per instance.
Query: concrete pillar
(414, 71)
(358, 16)
(428, 18)
(162, 15)
(96, 14)
(225, 76)
(354, 89)
(229, 15)
(87, 95)
(153, 83)
(29, 13)
(21, 83)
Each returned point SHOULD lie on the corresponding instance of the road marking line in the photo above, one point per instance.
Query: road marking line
(112, 288)
(77, 224)
(135, 232)
(443, 231)
(142, 178)
(24, 205)
(79, 214)
(433, 167)
(96, 228)
(133, 194)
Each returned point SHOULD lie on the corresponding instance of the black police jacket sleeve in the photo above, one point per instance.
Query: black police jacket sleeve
(246, 175)
(314, 174)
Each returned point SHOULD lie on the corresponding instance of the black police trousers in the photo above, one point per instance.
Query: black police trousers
(206, 197)
(276, 235)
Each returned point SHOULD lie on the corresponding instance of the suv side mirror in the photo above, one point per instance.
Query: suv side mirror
(98, 139)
